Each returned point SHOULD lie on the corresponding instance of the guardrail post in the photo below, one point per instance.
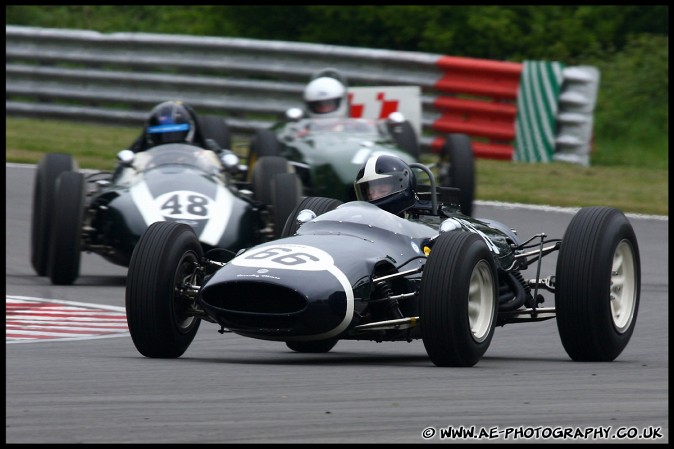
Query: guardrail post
(576, 114)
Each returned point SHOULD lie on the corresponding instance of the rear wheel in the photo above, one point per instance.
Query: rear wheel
(312, 346)
(263, 174)
(48, 171)
(158, 306)
(286, 193)
(318, 204)
(598, 284)
(215, 127)
(457, 169)
(458, 299)
(66, 240)
(264, 143)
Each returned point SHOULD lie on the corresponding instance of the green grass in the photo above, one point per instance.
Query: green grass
(639, 186)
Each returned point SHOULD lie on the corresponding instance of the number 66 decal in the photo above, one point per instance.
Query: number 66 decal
(286, 256)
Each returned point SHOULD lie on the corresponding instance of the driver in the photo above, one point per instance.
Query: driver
(326, 95)
(169, 122)
(176, 122)
(387, 182)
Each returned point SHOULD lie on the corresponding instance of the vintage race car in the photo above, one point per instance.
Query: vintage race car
(106, 213)
(351, 271)
(327, 152)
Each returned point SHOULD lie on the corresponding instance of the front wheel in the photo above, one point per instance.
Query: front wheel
(458, 299)
(598, 284)
(406, 138)
(158, 300)
(457, 169)
(48, 171)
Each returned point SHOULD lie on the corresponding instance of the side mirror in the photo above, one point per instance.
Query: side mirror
(294, 114)
(126, 157)
(305, 215)
(230, 161)
(449, 225)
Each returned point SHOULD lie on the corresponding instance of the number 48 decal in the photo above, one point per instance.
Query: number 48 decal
(184, 204)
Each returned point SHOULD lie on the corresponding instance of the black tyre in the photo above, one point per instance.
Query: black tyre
(157, 308)
(265, 169)
(406, 138)
(215, 127)
(63, 265)
(264, 143)
(458, 300)
(598, 284)
(48, 170)
(287, 194)
(318, 204)
(312, 346)
(457, 169)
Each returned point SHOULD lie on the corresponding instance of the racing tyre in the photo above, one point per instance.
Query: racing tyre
(457, 169)
(264, 143)
(598, 284)
(312, 346)
(63, 264)
(406, 138)
(318, 204)
(458, 299)
(157, 305)
(48, 171)
(287, 193)
(215, 127)
(263, 174)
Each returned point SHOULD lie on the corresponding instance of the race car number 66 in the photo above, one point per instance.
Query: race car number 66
(286, 256)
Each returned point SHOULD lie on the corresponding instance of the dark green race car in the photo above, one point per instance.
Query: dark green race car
(327, 152)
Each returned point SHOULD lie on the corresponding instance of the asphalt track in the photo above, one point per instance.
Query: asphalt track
(230, 389)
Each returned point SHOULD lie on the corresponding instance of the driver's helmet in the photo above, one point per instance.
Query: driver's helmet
(326, 97)
(387, 182)
(170, 122)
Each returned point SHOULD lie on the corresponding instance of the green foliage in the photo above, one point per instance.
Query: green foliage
(515, 32)
(633, 104)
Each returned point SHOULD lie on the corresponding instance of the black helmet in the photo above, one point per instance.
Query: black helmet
(170, 122)
(388, 182)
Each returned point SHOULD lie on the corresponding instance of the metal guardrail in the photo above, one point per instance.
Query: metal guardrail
(118, 77)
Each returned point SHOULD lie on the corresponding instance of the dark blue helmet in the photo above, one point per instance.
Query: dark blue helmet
(170, 122)
(387, 182)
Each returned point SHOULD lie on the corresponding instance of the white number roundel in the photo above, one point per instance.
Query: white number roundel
(184, 204)
(286, 257)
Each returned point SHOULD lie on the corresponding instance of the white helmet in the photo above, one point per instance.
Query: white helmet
(326, 97)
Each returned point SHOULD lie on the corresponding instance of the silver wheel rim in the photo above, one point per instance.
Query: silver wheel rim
(183, 322)
(623, 286)
(481, 301)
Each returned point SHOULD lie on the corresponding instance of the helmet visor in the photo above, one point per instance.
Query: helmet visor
(381, 187)
(168, 133)
(324, 106)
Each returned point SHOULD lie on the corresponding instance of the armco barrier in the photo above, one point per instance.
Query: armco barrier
(118, 77)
